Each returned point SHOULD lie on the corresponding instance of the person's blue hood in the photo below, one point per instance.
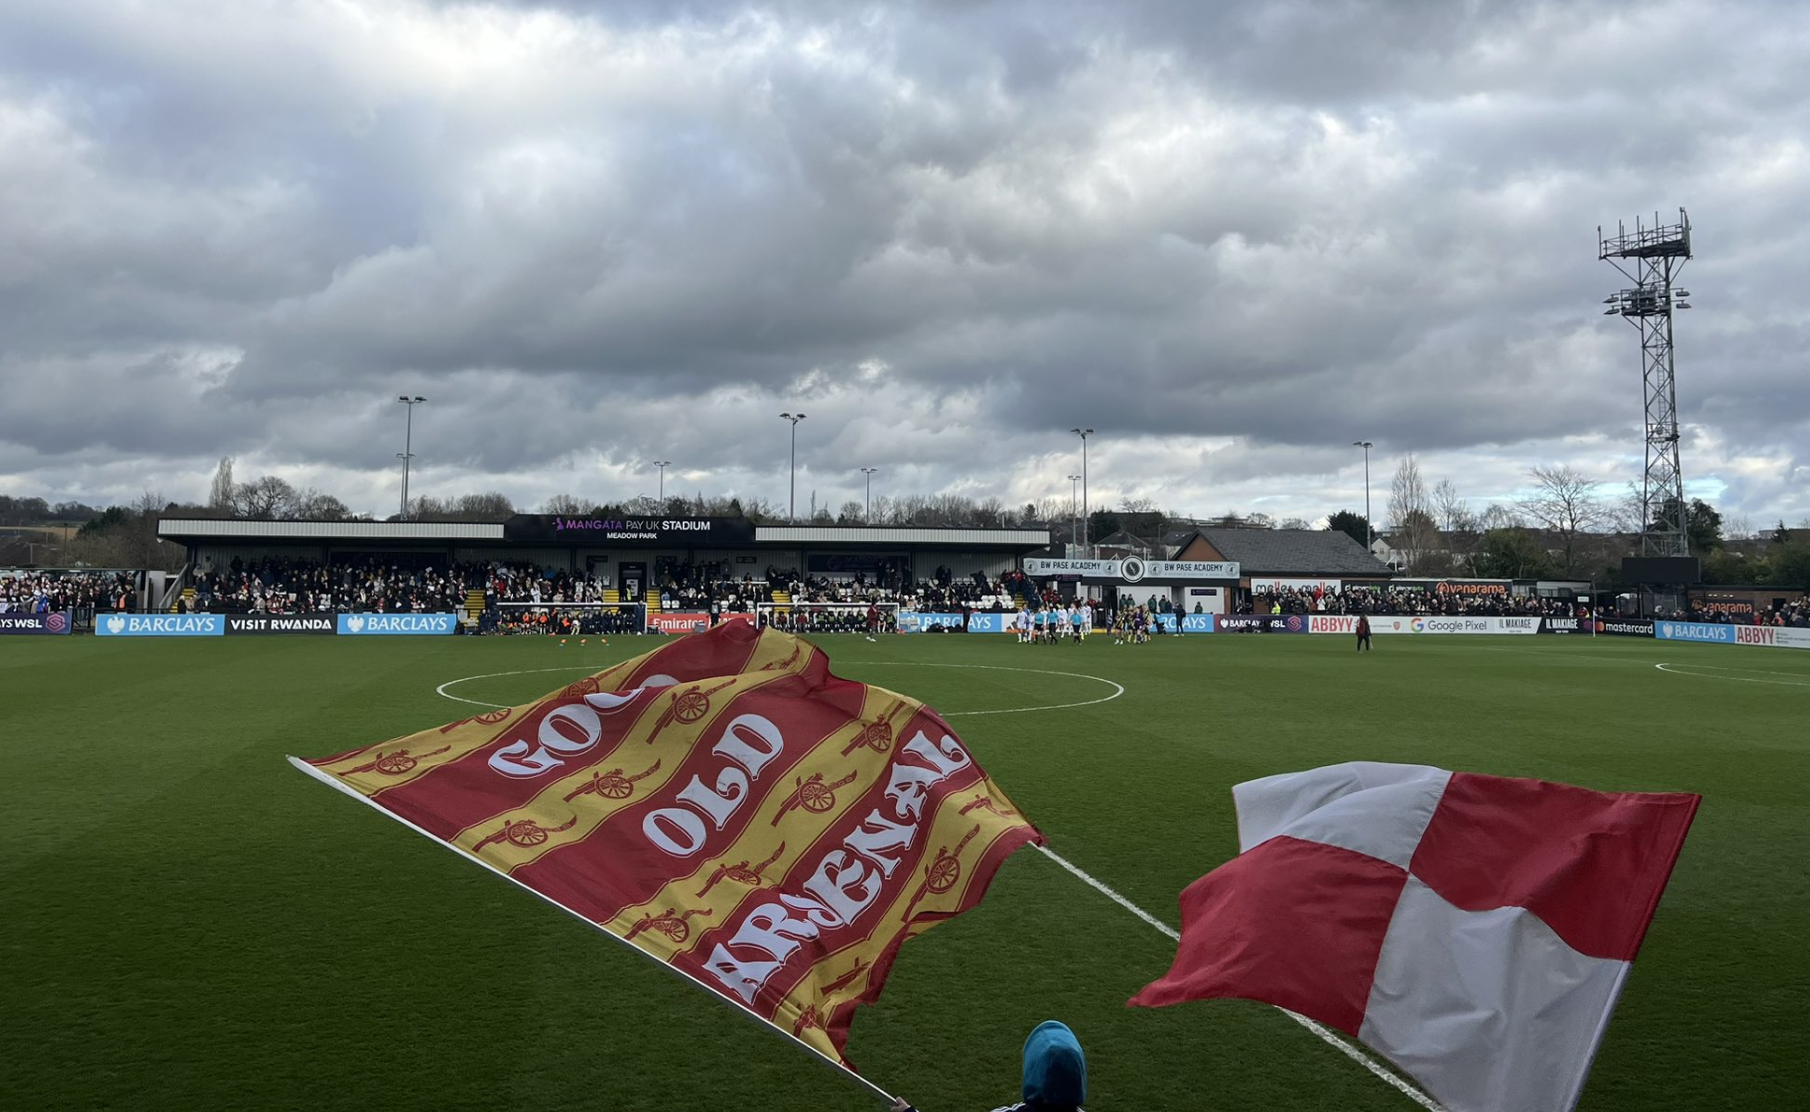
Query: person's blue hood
(1055, 1073)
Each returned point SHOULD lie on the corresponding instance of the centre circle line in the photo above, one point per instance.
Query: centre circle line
(1118, 689)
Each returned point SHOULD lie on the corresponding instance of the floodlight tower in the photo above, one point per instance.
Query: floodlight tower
(1650, 256)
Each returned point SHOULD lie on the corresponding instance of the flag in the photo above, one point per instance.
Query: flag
(724, 804)
(1474, 930)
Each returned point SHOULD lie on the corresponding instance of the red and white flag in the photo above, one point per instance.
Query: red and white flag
(1474, 930)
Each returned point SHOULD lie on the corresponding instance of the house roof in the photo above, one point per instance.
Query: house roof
(1122, 539)
(1294, 551)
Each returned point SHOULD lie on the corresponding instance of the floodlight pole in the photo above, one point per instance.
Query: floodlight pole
(1083, 434)
(408, 450)
(1654, 256)
(792, 499)
(663, 464)
(1074, 517)
(869, 472)
(1369, 538)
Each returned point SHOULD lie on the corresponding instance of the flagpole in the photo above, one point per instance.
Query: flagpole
(337, 785)
(1596, 1040)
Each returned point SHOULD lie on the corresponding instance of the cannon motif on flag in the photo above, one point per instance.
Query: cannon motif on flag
(525, 833)
(668, 924)
(612, 784)
(812, 794)
(942, 873)
(782, 665)
(580, 688)
(876, 735)
(488, 718)
(741, 872)
(396, 763)
(807, 1019)
(985, 803)
(687, 706)
(846, 979)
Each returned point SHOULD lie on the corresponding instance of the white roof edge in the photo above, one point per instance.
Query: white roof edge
(317, 530)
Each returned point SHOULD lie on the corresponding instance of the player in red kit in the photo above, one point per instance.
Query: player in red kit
(873, 620)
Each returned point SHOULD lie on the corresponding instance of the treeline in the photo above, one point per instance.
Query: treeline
(36, 511)
(1569, 527)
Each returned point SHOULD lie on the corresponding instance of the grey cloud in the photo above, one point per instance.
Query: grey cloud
(644, 229)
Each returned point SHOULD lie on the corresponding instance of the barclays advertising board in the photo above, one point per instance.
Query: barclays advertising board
(1695, 631)
(160, 625)
(396, 625)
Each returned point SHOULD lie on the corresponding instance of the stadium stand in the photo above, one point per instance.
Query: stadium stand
(37, 592)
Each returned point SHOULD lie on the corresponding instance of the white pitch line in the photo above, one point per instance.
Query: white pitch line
(441, 690)
(1314, 1026)
(1320, 1031)
(1713, 673)
(1118, 689)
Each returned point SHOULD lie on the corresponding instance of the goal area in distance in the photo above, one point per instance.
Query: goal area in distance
(827, 617)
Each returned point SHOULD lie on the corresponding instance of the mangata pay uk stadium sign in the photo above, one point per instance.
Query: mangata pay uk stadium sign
(584, 529)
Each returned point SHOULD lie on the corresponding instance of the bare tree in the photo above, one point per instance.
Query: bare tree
(1564, 501)
(266, 498)
(566, 504)
(425, 506)
(1498, 516)
(1295, 523)
(1457, 521)
(1628, 513)
(1411, 514)
(220, 494)
(312, 505)
(1451, 510)
(488, 506)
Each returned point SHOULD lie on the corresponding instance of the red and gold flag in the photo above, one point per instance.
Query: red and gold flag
(725, 804)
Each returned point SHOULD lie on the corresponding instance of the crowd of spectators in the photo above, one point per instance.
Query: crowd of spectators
(524, 597)
(275, 586)
(710, 587)
(1795, 613)
(829, 619)
(562, 621)
(41, 592)
(1391, 600)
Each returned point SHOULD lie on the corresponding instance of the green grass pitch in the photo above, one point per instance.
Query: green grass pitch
(192, 924)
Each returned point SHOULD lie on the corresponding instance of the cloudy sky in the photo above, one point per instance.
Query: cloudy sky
(1231, 238)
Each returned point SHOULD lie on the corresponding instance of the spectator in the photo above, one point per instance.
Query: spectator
(1055, 1072)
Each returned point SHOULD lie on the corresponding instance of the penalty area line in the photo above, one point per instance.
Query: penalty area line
(1318, 1029)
